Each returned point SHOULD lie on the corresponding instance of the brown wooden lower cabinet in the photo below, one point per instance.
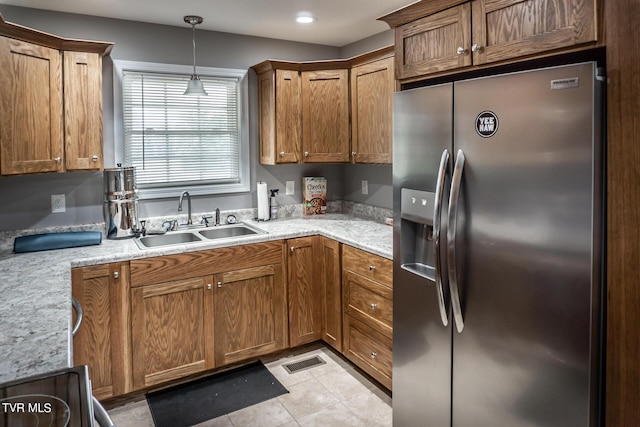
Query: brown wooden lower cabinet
(198, 310)
(250, 313)
(331, 287)
(304, 291)
(172, 327)
(103, 342)
(163, 318)
(369, 349)
(367, 291)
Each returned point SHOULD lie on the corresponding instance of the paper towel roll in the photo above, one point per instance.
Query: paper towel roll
(263, 201)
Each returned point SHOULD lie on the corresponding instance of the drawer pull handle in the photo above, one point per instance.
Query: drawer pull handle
(374, 306)
(372, 267)
(209, 286)
(219, 284)
(374, 354)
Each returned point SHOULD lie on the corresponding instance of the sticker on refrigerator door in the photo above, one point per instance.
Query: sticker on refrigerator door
(565, 83)
(487, 124)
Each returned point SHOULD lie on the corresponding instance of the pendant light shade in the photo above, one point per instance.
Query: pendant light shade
(195, 86)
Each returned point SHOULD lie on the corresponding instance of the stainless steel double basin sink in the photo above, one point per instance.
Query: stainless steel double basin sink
(197, 235)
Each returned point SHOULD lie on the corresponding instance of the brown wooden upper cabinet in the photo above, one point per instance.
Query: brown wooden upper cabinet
(313, 112)
(82, 111)
(280, 121)
(31, 100)
(372, 87)
(438, 36)
(51, 99)
(325, 116)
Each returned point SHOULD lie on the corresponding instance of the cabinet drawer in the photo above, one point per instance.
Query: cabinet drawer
(369, 301)
(371, 266)
(369, 350)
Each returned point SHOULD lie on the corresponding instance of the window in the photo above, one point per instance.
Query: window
(178, 142)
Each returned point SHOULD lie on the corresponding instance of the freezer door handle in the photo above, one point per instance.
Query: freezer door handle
(437, 222)
(456, 182)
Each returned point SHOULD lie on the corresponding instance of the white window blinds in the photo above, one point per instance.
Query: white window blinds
(176, 140)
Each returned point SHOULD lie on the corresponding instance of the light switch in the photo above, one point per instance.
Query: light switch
(365, 186)
(290, 189)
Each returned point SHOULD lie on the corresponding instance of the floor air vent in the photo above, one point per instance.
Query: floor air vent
(301, 365)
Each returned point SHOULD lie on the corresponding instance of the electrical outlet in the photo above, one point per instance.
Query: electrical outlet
(290, 190)
(58, 203)
(365, 186)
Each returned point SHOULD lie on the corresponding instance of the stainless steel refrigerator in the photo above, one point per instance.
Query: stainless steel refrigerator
(498, 232)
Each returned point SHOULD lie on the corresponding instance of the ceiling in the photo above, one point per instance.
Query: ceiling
(339, 22)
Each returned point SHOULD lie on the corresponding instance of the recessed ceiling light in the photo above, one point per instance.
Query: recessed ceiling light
(305, 18)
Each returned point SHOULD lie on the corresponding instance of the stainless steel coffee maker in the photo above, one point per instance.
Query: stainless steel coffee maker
(121, 202)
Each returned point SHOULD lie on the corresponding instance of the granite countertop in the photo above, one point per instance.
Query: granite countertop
(35, 308)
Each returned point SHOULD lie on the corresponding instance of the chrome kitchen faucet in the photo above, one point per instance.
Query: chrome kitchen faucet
(186, 193)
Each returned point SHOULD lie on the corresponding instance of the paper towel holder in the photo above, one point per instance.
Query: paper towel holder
(263, 201)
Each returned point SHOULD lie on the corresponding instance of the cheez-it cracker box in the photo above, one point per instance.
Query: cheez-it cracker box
(314, 195)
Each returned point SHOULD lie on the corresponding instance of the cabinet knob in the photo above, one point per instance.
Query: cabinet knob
(353, 153)
(374, 306)
(94, 158)
(58, 159)
(293, 248)
(461, 51)
(306, 154)
(476, 48)
(209, 286)
(116, 274)
(374, 354)
(219, 284)
(282, 154)
(372, 267)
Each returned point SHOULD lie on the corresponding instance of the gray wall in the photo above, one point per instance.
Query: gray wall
(27, 199)
(385, 38)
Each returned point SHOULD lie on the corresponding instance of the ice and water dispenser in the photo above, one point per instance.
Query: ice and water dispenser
(417, 232)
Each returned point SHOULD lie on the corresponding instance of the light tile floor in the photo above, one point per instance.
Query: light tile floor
(331, 395)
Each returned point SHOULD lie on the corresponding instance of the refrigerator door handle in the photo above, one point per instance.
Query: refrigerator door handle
(437, 221)
(456, 182)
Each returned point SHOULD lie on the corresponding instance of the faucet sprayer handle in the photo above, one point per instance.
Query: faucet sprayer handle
(205, 220)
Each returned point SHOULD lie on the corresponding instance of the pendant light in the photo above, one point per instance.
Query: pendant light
(195, 86)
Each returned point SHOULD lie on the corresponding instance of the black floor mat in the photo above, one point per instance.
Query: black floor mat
(214, 396)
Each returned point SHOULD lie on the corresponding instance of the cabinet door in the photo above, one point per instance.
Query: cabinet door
(438, 42)
(31, 105)
(287, 116)
(250, 313)
(103, 341)
(372, 87)
(325, 116)
(332, 293)
(172, 330)
(83, 111)
(504, 29)
(279, 100)
(305, 294)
